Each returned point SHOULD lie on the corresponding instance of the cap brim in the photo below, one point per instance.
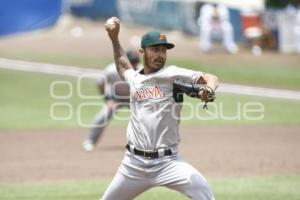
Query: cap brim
(165, 44)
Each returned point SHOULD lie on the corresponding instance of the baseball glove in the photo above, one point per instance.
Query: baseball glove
(203, 92)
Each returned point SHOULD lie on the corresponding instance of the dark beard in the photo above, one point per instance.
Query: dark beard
(156, 67)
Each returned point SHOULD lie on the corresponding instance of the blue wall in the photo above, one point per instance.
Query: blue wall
(235, 19)
(96, 9)
(26, 15)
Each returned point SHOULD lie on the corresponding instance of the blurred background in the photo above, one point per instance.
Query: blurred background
(271, 19)
(52, 51)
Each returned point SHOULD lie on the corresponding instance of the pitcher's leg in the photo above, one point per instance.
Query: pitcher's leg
(181, 176)
(124, 188)
(197, 188)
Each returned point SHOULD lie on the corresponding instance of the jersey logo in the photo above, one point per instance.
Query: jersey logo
(162, 37)
(147, 92)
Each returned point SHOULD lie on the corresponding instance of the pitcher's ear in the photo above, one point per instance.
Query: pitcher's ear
(142, 51)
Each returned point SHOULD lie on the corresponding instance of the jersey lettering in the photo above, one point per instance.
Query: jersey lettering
(148, 92)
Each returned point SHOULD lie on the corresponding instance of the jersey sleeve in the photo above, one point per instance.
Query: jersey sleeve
(129, 74)
(184, 74)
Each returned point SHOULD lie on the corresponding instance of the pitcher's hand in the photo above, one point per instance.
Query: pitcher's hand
(112, 26)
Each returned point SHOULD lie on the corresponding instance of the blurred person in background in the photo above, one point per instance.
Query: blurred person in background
(293, 10)
(116, 92)
(297, 31)
(214, 23)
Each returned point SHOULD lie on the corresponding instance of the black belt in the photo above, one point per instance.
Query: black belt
(147, 154)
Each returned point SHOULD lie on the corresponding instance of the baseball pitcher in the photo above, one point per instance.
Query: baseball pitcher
(152, 157)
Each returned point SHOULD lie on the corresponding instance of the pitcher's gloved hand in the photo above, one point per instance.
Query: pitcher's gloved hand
(206, 94)
(203, 92)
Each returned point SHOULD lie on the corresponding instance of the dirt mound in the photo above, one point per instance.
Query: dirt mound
(231, 151)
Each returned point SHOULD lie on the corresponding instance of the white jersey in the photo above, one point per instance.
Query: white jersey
(155, 115)
(109, 77)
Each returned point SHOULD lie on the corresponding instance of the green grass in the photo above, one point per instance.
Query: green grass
(246, 188)
(237, 110)
(60, 59)
(26, 100)
(258, 71)
(275, 75)
(26, 103)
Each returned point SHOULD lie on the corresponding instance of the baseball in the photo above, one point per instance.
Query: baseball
(110, 23)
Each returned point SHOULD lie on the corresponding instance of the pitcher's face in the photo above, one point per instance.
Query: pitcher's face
(154, 57)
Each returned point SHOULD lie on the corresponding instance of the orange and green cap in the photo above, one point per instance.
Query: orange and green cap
(154, 38)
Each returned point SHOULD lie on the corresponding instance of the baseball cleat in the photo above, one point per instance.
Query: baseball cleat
(88, 145)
